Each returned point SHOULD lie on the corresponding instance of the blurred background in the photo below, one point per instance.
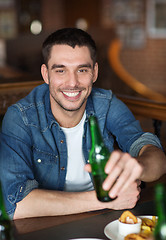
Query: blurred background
(130, 37)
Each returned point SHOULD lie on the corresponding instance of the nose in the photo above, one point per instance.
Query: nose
(72, 79)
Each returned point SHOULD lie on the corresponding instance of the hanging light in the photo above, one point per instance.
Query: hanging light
(36, 27)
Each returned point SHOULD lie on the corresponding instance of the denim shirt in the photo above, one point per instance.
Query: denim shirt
(33, 150)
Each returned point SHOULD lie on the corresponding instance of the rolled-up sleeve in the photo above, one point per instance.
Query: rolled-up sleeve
(144, 139)
(22, 191)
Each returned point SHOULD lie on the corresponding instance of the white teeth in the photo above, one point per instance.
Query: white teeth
(71, 94)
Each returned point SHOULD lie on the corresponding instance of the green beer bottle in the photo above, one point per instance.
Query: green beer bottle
(5, 223)
(98, 157)
(160, 229)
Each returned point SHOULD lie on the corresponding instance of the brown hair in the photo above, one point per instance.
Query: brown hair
(72, 37)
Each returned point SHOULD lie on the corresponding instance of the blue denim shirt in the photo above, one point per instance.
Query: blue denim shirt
(33, 150)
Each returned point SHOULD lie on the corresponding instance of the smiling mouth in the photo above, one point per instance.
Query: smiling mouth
(71, 94)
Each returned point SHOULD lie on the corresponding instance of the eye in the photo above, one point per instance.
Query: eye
(59, 71)
(83, 70)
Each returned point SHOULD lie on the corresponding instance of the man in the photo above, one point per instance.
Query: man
(45, 138)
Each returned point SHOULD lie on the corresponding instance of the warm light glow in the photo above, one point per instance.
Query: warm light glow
(82, 23)
(36, 27)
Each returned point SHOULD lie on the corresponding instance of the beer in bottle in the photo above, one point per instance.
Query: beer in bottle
(5, 223)
(98, 157)
(160, 229)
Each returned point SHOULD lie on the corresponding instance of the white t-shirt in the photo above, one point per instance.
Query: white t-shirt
(77, 179)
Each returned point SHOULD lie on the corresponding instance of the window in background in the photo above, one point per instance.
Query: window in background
(128, 18)
(156, 18)
(8, 19)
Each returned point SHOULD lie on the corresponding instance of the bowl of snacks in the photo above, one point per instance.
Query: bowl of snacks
(147, 229)
(128, 223)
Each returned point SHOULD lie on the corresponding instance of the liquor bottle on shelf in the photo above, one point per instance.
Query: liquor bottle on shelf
(98, 157)
(160, 201)
(6, 231)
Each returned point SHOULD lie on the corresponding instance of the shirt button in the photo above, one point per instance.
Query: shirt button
(62, 168)
(39, 160)
(61, 141)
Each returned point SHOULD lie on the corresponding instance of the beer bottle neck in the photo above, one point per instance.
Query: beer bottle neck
(96, 136)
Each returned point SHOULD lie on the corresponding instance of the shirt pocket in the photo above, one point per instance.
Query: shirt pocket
(46, 169)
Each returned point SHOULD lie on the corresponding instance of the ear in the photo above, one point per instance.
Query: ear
(44, 73)
(95, 75)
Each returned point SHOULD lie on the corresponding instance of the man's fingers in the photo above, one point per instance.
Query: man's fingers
(121, 169)
(88, 168)
(135, 174)
(114, 158)
(126, 171)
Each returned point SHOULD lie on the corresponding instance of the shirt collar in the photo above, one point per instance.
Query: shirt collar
(50, 117)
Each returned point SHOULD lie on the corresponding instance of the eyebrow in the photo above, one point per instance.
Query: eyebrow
(85, 65)
(54, 66)
(57, 66)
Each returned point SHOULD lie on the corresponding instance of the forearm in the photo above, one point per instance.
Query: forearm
(53, 203)
(153, 161)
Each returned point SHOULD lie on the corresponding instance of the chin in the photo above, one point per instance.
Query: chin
(71, 109)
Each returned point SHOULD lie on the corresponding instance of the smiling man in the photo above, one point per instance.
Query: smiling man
(45, 138)
(70, 73)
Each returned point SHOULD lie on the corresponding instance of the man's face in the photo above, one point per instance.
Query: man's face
(70, 76)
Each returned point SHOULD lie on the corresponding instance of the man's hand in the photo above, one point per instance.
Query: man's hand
(123, 171)
(127, 199)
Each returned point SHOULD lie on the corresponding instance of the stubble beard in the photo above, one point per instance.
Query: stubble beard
(68, 109)
(62, 106)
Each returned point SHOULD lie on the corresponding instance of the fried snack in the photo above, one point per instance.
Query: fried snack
(126, 216)
(148, 224)
(137, 236)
